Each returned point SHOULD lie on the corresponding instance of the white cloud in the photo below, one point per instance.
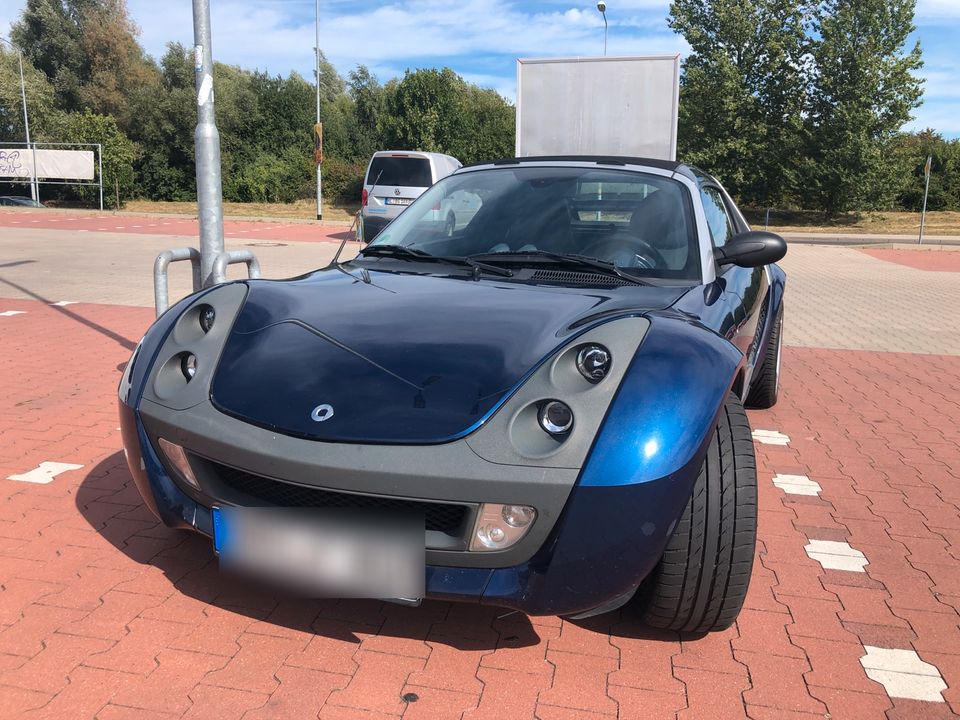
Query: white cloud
(937, 9)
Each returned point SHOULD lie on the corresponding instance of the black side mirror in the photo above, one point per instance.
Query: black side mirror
(752, 249)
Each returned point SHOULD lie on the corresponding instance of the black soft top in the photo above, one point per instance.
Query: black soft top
(669, 165)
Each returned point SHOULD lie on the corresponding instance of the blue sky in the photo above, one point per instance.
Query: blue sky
(480, 39)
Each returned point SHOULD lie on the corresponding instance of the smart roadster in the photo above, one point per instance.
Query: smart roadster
(540, 408)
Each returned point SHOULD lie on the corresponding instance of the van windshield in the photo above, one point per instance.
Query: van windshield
(399, 171)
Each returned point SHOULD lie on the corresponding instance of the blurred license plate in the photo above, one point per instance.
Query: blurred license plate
(324, 553)
(397, 201)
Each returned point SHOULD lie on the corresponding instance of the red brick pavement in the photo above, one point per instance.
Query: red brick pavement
(936, 260)
(275, 230)
(105, 614)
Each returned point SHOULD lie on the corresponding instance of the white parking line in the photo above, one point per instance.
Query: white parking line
(797, 485)
(11, 313)
(64, 303)
(770, 437)
(903, 674)
(833, 555)
(44, 473)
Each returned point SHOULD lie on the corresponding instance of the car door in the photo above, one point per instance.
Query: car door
(745, 288)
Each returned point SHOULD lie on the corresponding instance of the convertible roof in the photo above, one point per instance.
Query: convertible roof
(670, 165)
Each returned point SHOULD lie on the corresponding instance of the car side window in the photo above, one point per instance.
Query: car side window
(721, 228)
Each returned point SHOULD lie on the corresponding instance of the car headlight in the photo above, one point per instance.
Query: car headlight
(555, 417)
(500, 526)
(593, 362)
(206, 316)
(188, 365)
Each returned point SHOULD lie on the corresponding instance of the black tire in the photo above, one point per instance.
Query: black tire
(701, 581)
(765, 386)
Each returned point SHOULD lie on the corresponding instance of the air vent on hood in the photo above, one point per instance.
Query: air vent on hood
(582, 279)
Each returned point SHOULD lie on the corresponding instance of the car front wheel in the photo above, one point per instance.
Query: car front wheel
(766, 385)
(701, 581)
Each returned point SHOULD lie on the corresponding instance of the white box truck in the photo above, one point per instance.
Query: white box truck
(598, 106)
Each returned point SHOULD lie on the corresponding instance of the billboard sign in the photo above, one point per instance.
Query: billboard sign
(17, 163)
(598, 106)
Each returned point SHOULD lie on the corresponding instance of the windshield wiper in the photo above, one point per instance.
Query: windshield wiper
(406, 253)
(571, 260)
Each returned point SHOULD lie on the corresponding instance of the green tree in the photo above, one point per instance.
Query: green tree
(166, 116)
(944, 172)
(41, 100)
(862, 91)
(369, 102)
(119, 153)
(742, 92)
(88, 50)
(425, 111)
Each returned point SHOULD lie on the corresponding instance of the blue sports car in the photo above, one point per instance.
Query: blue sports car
(539, 407)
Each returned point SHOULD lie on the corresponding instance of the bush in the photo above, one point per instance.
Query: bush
(342, 181)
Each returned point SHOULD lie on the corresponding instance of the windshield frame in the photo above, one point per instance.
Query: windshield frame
(696, 222)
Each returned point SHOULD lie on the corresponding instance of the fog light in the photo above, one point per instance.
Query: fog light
(556, 417)
(178, 458)
(593, 362)
(518, 516)
(207, 316)
(188, 365)
(500, 526)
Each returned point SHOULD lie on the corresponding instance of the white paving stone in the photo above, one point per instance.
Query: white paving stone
(903, 674)
(770, 437)
(833, 555)
(44, 473)
(797, 484)
(11, 313)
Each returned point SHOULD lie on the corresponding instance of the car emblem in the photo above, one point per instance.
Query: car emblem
(396, 191)
(322, 413)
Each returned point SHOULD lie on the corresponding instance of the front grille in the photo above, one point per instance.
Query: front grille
(440, 517)
(582, 279)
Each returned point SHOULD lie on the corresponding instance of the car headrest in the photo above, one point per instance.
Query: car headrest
(659, 219)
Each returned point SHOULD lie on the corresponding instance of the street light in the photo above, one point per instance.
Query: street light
(318, 129)
(602, 7)
(26, 119)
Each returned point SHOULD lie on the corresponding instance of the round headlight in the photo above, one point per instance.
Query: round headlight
(207, 316)
(188, 365)
(556, 417)
(593, 362)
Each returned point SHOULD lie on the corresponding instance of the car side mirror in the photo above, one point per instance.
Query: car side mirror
(752, 249)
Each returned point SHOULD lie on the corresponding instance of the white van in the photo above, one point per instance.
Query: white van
(394, 179)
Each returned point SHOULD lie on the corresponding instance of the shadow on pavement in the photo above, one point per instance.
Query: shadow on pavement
(107, 332)
(109, 501)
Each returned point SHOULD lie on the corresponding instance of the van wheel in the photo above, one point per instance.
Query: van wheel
(368, 231)
(450, 225)
(766, 385)
(701, 581)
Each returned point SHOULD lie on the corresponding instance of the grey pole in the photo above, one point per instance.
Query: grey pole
(926, 189)
(319, 174)
(602, 7)
(207, 147)
(100, 172)
(26, 123)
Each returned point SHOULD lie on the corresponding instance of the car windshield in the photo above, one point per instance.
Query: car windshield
(638, 222)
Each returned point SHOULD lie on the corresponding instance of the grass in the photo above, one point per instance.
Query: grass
(941, 222)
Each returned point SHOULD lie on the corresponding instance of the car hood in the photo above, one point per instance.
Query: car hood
(405, 358)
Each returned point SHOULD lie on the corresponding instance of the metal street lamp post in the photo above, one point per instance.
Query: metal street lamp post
(602, 7)
(319, 128)
(26, 120)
